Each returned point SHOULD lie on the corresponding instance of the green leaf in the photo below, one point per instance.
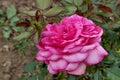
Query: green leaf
(30, 66)
(1, 12)
(22, 78)
(11, 11)
(43, 4)
(22, 36)
(113, 73)
(69, 1)
(84, 8)
(42, 74)
(97, 75)
(78, 2)
(96, 18)
(1, 22)
(32, 78)
(54, 11)
(70, 10)
(71, 77)
(30, 13)
(18, 29)
(14, 19)
(116, 25)
(6, 32)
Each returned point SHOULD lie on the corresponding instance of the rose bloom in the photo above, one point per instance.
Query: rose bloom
(71, 45)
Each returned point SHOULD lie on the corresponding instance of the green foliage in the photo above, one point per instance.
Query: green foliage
(6, 31)
(71, 77)
(53, 11)
(32, 78)
(30, 13)
(43, 4)
(29, 67)
(36, 74)
(22, 78)
(22, 36)
(97, 75)
(23, 45)
(70, 9)
(113, 73)
(11, 11)
(78, 2)
(1, 12)
(8, 25)
(42, 74)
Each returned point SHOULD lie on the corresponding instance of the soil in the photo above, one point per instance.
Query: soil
(11, 60)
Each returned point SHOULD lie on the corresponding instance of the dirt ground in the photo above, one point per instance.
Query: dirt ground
(11, 60)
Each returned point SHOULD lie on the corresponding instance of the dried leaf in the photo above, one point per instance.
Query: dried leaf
(37, 15)
(105, 8)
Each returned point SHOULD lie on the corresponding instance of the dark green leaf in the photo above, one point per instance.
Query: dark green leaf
(31, 13)
(30, 66)
(116, 25)
(97, 75)
(70, 10)
(42, 74)
(1, 22)
(18, 29)
(69, 1)
(43, 4)
(71, 77)
(113, 73)
(22, 78)
(14, 19)
(1, 12)
(53, 11)
(22, 36)
(78, 2)
(83, 8)
(6, 32)
(32, 78)
(11, 11)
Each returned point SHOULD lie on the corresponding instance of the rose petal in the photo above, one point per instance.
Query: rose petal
(46, 41)
(52, 50)
(40, 58)
(66, 49)
(38, 46)
(96, 55)
(48, 27)
(51, 70)
(88, 47)
(44, 53)
(58, 65)
(102, 50)
(86, 21)
(54, 57)
(48, 33)
(76, 57)
(75, 49)
(94, 40)
(72, 66)
(100, 30)
(74, 21)
(81, 41)
(80, 70)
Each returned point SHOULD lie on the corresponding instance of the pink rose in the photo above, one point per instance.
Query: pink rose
(71, 45)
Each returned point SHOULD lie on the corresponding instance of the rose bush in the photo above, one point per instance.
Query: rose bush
(71, 45)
